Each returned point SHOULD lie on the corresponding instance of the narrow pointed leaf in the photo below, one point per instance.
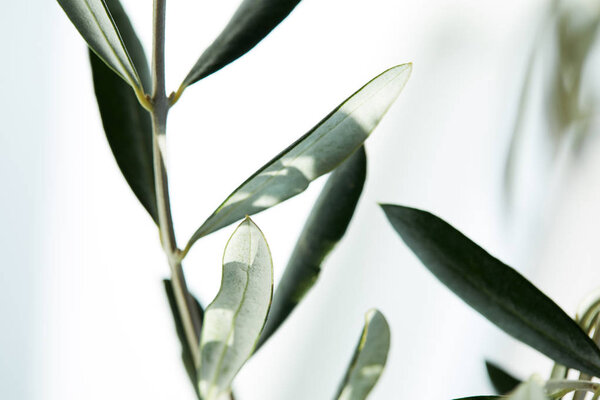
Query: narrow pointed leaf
(252, 21)
(369, 358)
(324, 228)
(94, 21)
(319, 151)
(126, 123)
(186, 354)
(494, 289)
(502, 381)
(234, 320)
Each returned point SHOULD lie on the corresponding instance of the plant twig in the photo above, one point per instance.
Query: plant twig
(160, 110)
(567, 386)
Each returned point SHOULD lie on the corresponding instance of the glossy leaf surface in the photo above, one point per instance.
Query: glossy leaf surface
(234, 320)
(319, 151)
(369, 358)
(494, 289)
(186, 354)
(502, 381)
(126, 123)
(252, 21)
(94, 21)
(324, 228)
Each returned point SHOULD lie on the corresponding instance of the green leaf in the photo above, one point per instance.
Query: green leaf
(95, 23)
(234, 320)
(126, 123)
(325, 227)
(529, 390)
(482, 398)
(319, 151)
(369, 358)
(494, 289)
(252, 21)
(502, 381)
(186, 354)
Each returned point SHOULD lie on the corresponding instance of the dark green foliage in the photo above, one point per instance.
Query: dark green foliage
(324, 228)
(186, 355)
(502, 381)
(253, 20)
(494, 289)
(126, 123)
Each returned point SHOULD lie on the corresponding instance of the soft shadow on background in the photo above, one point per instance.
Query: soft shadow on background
(81, 299)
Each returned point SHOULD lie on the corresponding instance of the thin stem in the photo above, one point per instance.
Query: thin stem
(160, 110)
(595, 325)
(571, 385)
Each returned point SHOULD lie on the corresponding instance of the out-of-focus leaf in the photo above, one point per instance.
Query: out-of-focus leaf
(319, 151)
(529, 390)
(234, 320)
(482, 398)
(126, 123)
(253, 20)
(502, 381)
(369, 358)
(95, 23)
(186, 354)
(325, 227)
(494, 289)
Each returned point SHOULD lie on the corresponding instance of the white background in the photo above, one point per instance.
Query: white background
(82, 307)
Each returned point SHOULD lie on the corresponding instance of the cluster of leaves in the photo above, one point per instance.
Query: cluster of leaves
(245, 313)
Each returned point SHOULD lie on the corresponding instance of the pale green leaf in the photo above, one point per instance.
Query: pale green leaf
(234, 320)
(369, 358)
(529, 390)
(94, 22)
(316, 153)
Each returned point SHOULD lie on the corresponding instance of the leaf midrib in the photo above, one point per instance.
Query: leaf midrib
(132, 80)
(235, 315)
(235, 207)
(518, 316)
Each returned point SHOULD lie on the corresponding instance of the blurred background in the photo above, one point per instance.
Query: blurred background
(495, 132)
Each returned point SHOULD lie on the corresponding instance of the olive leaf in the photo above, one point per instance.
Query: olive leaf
(502, 381)
(369, 358)
(529, 390)
(494, 289)
(186, 353)
(482, 398)
(234, 320)
(94, 21)
(316, 153)
(324, 228)
(253, 20)
(126, 123)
